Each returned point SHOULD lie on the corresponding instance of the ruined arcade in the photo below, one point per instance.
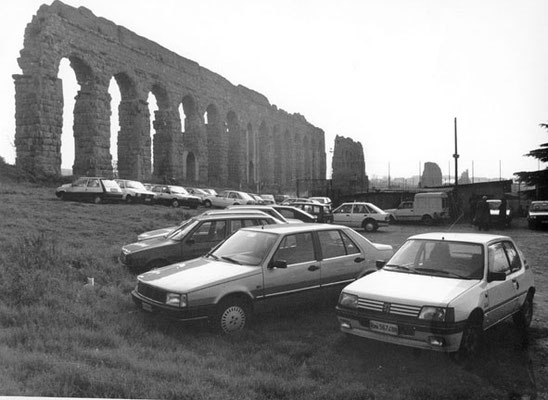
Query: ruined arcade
(231, 135)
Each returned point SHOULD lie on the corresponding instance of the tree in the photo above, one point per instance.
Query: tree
(537, 178)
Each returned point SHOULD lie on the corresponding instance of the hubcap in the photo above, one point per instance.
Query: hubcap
(233, 319)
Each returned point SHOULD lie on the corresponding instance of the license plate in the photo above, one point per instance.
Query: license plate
(382, 327)
(146, 307)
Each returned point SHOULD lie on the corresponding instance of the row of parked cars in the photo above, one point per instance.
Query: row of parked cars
(438, 291)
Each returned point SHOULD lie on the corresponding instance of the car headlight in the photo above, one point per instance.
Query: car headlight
(176, 299)
(348, 300)
(440, 314)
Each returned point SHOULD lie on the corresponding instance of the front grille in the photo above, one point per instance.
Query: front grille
(389, 308)
(150, 292)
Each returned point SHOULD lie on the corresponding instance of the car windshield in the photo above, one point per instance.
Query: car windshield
(245, 247)
(539, 207)
(450, 259)
(110, 184)
(179, 232)
(178, 189)
(135, 185)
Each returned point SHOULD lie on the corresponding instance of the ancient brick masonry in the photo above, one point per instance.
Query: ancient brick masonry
(231, 135)
(349, 166)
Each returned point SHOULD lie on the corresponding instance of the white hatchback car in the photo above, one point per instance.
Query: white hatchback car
(440, 291)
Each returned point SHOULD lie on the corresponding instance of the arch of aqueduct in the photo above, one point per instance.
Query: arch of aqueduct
(243, 140)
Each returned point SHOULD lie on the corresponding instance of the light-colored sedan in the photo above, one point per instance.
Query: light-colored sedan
(441, 291)
(366, 216)
(259, 269)
(228, 198)
(134, 191)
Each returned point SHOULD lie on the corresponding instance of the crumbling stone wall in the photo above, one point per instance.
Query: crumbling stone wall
(348, 167)
(243, 140)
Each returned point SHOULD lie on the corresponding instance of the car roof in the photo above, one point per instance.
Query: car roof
(231, 211)
(257, 214)
(297, 227)
(482, 238)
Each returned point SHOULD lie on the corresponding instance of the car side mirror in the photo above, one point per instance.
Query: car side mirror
(380, 263)
(278, 264)
(496, 276)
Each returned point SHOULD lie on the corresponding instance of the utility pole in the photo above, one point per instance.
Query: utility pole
(456, 157)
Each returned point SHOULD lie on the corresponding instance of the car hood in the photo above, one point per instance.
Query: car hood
(156, 233)
(390, 210)
(407, 288)
(192, 275)
(156, 242)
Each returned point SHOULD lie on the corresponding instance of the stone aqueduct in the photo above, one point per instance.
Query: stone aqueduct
(231, 135)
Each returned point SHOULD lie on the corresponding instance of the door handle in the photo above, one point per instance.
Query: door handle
(313, 268)
(359, 259)
(516, 283)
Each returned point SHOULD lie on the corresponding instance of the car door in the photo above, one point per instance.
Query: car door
(300, 281)
(343, 215)
(203, 238)
(341, 260)
(358, 214)
(502, 296)
(93, 188)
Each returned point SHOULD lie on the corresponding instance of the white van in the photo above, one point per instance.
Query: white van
(428, 207)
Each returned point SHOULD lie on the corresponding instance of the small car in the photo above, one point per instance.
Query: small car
(537, 216)
(228, 198)
(324, 200)
(494, 211)
(174, 196)
(94, 189)
(293, 213)
(440, 291)
(259, 269)
(322, 212)
(191, 239)
(361, 215)
(266, 209)
(268, 199)
(163, 232)
(134, 191)
(258, 199)
(201, 193)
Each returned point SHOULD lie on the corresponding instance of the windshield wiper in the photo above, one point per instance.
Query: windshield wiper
(440, 271)
(212, 256)
(412, 270)
(231, 260)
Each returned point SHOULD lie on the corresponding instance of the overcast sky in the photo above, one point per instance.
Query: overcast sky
(391, 74)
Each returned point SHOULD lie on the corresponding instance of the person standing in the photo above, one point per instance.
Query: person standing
(482, 214)
(503, 219)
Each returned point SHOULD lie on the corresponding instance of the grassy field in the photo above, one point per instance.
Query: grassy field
(59, 337)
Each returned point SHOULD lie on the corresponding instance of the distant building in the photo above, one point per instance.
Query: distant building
(348, 167)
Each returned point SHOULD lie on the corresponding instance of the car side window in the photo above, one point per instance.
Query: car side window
(360, 209)
(347, 208)
(93, 183)
(332, 244)
(513, 256)
(209, 231)
(498, 262)
(294, 249)
(349, 245)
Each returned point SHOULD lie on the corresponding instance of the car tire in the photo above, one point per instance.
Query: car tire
(524, 316)
(370, 225)
(97, 199)
(427, 220)
(175, 203)
(391, 220)
(207, 204)
(232, 315)
(129, 199)
(471, 342)
(62, 195)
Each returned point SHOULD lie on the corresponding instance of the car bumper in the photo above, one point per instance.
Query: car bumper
(180, 314)
(417, 335)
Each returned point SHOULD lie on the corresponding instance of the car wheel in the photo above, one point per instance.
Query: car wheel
(97, 199)
(207, 204)
(391, 219)
(427, 220)
(175, 203)
(470, 343)
(370, 225)
(61, 195)
(232, 315)
(129, 199)
(524, 316)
